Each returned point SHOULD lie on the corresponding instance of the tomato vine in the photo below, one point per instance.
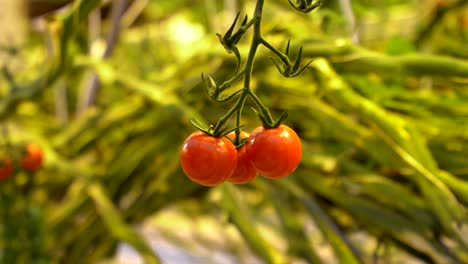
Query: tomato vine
(286, 67)
(272, 150)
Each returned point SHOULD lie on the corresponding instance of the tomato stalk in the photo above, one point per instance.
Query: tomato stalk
(278, 53)
(235, 78)
(287, 69)
(10, 150)
(247, 73)
(237, 141)
(272, 150)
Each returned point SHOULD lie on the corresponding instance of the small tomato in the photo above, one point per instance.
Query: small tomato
(208, 160)
(6, 169)
(33, 158)
(275, 152)
(245, 171)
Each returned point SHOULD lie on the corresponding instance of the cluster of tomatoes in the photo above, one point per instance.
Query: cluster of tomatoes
(269, 152)
(30, 161)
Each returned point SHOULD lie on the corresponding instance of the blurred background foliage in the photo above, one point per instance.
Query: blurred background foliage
(107, 89)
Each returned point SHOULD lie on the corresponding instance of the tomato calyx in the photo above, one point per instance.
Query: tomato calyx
(305, 6)
(269, 124)
(217, 133)
(289, 70)
(223, 132)
(214, 91)
(242, 141)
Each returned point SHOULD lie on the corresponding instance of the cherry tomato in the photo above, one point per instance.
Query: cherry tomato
(208, 160)
(275, 152)
(245, 171)
(32, 160)
(6, 169)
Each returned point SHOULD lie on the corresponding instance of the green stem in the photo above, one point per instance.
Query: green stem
(228, 83)
(278, 53)
(256, 41)
(352, 58)
(238, 122)
(248, 69)
(10, 150)
(222, 121)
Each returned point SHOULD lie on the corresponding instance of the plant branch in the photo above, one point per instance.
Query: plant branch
(256, 40)
(222, 121)
(278, 53)
(89, 96)
(440, 11)
(247, 72)
(227, 84)
(349, 57)
(348, 13)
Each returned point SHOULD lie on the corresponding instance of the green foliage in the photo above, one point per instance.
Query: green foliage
(384, 128)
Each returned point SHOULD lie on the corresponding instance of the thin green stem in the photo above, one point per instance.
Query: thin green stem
(244, 28)
(7, 140)
(238, 121)
(248, 69)
(278, 53)
(256, 41)
(222, 121)
(228, 83)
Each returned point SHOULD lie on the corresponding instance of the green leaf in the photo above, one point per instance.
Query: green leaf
(380, 220)
(402, 139)
(398, 46)
(293, 229)
(117, 225)
(344, 250)
(241, 217)
(384, 191)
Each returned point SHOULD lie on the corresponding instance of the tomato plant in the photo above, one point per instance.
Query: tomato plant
(275, 152)
(33, 158)
(245, 171)
(288, 67)
(208, 160)
(6, 169)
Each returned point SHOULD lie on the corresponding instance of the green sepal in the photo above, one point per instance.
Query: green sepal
(274, 124)
(242, 140)
(202, 127)
(211, 87)
(231, 28)
(236, 52)
(297, 64)
(289, 70)
(220, 132)
(230, 40)
(213, 90)
(262, 118)
(222, 99)
(281, 119)
(305, 6)
(287, 48)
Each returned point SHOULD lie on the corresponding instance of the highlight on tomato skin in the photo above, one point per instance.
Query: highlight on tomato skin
(33, 158)
(245, 171)
(6, 169)
(208, 160)
(274, 152)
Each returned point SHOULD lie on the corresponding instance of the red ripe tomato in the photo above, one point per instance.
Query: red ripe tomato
(275, 152)
(32, 160)
(6, 169)
(245, 171)
(208, 160)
